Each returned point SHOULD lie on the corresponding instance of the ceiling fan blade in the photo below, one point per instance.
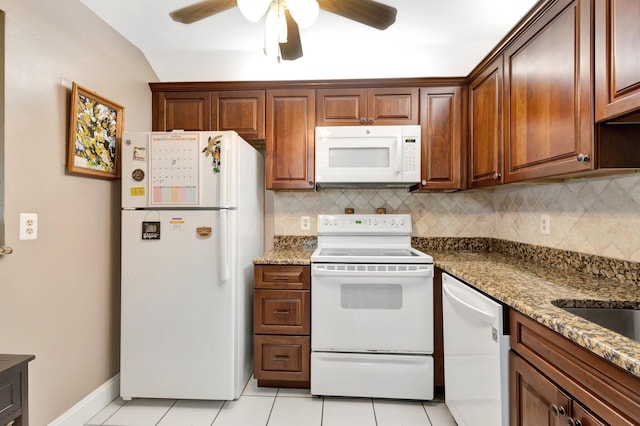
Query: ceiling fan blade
(292, 49)
(367, 12)
(201, 10)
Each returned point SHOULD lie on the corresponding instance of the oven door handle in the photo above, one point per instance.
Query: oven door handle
(322, 272)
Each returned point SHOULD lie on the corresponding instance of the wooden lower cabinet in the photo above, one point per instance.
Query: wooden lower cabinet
(282, 325)
(537, 401)
(553, 381)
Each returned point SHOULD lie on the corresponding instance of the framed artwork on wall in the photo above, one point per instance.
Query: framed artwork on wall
(95, 133)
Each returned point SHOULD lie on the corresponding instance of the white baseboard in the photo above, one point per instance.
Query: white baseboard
(91, 404)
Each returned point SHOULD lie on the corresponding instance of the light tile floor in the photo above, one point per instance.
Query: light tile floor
(274, 407)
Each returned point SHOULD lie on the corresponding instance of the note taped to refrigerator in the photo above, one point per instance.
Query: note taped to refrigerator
(174, 166)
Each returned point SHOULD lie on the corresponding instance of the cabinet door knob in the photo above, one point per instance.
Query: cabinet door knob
(583, 158)
(363, 120)
(370, 120)
(573, 422)
(424, 182)
(497, 175)
(556, 411)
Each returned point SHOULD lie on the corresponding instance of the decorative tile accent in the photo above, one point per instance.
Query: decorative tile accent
(597, 216)
(433, 214)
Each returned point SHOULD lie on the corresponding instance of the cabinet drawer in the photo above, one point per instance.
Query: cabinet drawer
(282, 357)
(282, 312)
(10, 403)
(286, 277)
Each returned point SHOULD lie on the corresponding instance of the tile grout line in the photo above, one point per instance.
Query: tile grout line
(175, 401)
(272, 405)
(220, 410)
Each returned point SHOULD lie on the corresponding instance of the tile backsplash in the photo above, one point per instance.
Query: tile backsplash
(598, 216)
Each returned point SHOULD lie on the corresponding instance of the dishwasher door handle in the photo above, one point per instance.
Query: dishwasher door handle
(473, 310)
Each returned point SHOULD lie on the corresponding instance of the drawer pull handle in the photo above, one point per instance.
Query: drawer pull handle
(280, 312)
(283, 358)
(573, 422)
(280, 278)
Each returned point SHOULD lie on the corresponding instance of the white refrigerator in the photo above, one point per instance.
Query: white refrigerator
(192, 221)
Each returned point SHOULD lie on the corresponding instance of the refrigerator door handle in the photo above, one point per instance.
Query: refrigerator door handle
(224, 248)
(224, 174)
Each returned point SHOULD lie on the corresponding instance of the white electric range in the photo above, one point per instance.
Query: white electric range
(371, 309)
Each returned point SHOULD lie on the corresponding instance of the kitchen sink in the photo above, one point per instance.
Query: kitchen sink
(625, 321)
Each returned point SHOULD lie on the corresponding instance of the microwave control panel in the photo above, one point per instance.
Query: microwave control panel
(411, 156)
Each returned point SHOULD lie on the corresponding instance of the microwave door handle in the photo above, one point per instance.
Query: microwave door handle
(399, 159)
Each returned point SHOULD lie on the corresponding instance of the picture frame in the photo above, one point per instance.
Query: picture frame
(95, 135)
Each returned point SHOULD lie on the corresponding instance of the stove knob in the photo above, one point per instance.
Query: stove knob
(392, 222)
(401, 222)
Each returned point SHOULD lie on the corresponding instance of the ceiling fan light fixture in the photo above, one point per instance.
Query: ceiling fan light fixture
(253, 10)
(275, 28)
(305, 12)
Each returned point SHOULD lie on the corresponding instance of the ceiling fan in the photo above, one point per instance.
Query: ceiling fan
(287, 16)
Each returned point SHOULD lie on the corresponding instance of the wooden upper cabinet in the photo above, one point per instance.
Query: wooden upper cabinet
(181, 110)
(290, 144)
(440, 118)
(617, 70)
(548, 108)
(242, 111)
(486, 127)
(373, 106)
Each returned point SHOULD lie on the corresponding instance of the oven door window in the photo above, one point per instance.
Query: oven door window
(371, 296)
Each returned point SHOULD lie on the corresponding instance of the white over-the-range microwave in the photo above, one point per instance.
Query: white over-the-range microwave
(367, 156)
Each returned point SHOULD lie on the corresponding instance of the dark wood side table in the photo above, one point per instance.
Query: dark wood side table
(14, 384)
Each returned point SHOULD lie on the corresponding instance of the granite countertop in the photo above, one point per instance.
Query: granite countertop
(530, 288)
(286, 256)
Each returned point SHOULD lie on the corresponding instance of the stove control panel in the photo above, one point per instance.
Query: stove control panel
(364, 224)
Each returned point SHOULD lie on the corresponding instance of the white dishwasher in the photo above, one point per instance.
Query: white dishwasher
(476, 349)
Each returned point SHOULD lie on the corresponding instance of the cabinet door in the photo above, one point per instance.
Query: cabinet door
(392, 106)
(373, 106)
(290, 145)
(485, 127)
(583, 417)
(617, 37)
(181, 110)
(341, 107)
(440, 114)
(242, 111)
(548, 109)
(534, 400)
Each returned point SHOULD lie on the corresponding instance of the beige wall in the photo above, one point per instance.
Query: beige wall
(595, 216)
(59, 295)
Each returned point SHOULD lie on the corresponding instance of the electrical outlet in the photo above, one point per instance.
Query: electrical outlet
(28, 226)
(305, 223)
(545, 224)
